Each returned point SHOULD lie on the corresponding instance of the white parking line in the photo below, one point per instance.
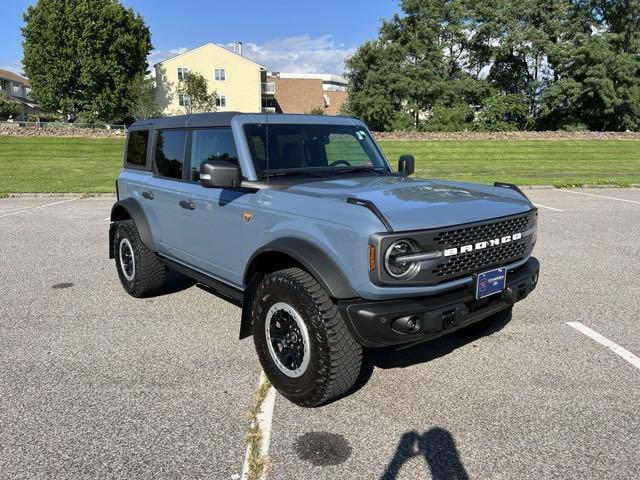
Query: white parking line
(36, 208)
(615, 348)
(550, 208)
(601, 196)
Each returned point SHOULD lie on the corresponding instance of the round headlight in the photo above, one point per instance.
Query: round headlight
(401, 269)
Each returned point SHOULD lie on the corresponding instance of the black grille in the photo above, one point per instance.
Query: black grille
(480, 233)
(472, 261)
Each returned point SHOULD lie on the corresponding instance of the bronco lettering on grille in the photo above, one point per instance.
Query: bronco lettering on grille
(449, 252)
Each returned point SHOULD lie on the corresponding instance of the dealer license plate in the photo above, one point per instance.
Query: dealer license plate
(491, 282)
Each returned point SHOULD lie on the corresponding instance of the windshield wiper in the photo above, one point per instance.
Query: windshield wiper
(360, 169)
(286, 173)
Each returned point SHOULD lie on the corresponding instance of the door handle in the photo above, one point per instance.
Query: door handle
(148, 195)
(188, 204)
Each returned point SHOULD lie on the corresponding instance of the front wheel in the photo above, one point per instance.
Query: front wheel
(303, 344)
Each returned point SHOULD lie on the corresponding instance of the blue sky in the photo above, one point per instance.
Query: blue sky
(282, 35)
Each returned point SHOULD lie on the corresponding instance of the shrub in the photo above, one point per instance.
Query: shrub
(502, 112)
(573, 126)
(456, 118)
(9, 108)
(402, 122)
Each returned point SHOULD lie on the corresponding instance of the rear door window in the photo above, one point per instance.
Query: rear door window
(137, 148)
(169, 157)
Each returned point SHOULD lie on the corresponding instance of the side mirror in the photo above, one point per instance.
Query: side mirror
(220, 174)
(406, 165)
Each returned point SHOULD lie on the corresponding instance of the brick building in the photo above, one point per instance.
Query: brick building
(306, 93)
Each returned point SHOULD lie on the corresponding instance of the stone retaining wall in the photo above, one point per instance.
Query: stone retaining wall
(423, 136)
(18, 131)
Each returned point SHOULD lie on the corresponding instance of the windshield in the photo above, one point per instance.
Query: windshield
(295, 149)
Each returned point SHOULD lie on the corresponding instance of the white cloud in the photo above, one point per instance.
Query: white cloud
(302, 54)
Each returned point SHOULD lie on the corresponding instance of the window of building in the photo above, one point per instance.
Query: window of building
(17, 88)
(220, 74)
(221, 101)
(137, 147)
(182, 73)
(183, 100)
(211, 144)
(170, 153)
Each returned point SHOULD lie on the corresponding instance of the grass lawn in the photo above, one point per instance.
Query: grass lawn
(50, 164)
(59, 164)
(525, 162)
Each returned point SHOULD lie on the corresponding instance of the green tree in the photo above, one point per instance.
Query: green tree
(81, 56)
(417, 64)
(9, 108)
(195, 88)
(371, 95)
(143, 101)
(597, 75)
(513, 43)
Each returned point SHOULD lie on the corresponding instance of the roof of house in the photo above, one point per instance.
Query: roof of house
(8, 75)
(213, 45)
(325, 77)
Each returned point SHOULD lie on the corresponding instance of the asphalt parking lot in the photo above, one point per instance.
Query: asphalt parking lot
(94, 383)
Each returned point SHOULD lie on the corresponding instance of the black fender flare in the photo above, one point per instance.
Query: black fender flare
(312, 258)
(134, 212)
(320, 265)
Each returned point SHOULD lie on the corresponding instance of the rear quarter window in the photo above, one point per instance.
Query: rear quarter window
(137, 143)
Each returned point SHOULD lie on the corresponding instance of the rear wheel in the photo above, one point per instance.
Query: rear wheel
(141, 273)
(302, 342)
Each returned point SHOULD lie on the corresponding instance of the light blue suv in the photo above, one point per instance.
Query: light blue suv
(300, 220)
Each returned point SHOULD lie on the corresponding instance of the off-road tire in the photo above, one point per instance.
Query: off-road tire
(150, 273)
(335, 358)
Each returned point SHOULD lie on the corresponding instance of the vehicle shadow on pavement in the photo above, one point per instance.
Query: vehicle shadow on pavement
(430, 350)
(439, 450)
(176, 282)
(390, 357)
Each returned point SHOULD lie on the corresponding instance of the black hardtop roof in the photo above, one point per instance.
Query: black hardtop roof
(214, 119)
(223, 119)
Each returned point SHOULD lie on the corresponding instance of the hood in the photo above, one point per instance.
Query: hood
(415, 204)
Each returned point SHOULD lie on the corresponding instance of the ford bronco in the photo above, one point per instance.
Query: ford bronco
(300, 221)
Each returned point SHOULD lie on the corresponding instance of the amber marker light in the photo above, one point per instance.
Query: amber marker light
(372, 258)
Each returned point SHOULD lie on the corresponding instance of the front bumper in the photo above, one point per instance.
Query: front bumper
(375, 324)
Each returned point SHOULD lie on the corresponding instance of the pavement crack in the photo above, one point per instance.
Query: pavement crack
(256, 461)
